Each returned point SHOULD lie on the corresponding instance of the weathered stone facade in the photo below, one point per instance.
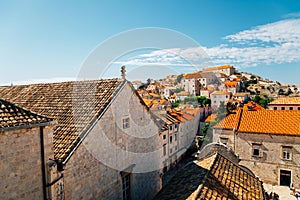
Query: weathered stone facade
(113, 148)
(20, 163)
(270, 161)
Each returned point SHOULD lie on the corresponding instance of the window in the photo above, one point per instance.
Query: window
(298, 108)
(164, 137)
(224, 140)
(175, 137)
(176, 126)
(170, 139)
(171, 127)
(275, 108)
(286, 153)
(171, 150)
(291, 108)
(126, 123)
(126, 186)
(164, 149)
(256, 150)
(282, 108)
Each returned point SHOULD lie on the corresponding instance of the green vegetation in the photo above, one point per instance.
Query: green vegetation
(222, 111)
(262, 100)
(193, 100)
(178, 79)
(177, 90)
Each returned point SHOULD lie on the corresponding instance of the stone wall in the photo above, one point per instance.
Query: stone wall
(95, 169)
(20, 163)
(268, 165)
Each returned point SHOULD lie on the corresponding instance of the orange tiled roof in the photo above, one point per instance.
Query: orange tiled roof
(217, 68)
(154, 95)
(211, 117)
(253, 106)
(214, 177)
(194, 75)
(241, 94)
(271, 121)
(231, 121)
(221, 92)
(231, 84)
(12, 116)
(74, 105)
(286, 101)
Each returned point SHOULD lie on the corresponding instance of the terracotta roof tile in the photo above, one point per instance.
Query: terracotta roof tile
(214, 177)
(241, 94)
(74, 105)
(194, 75)
(286, 101)
(231, 121)
(15, 116)
(231, 83)
(218, 68)
(221, 92)
(211, 117)
(271, 121)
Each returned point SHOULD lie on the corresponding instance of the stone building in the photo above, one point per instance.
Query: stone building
(106, 143)
(267, 142)
(25, 150)
(225, 69)
(285, 103)
(218, 96)
(178, 130)
(191, 83)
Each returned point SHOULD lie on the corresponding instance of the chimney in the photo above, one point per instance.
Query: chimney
(123, 72)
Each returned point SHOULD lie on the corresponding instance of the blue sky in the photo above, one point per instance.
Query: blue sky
(52, 39)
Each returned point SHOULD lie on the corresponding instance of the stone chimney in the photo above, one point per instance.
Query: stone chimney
(123, 72)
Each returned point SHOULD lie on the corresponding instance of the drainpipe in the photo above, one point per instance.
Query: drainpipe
(43, 162)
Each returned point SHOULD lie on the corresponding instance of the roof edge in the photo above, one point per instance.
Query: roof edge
(85, 133)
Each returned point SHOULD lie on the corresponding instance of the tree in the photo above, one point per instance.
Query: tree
(263, 100)
(222, 111)
(231, 106)
(178, 79)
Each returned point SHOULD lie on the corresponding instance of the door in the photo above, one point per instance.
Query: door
(285, 177)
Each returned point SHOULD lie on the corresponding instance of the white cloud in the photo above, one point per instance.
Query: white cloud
(273, 43)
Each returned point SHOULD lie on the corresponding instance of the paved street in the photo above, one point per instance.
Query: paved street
(282, 191)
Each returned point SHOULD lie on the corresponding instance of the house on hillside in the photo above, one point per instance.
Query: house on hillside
(219, 96)
(285, 103)
(106, 143)
(207, 78)
(242, 97)
(191, 83)
(232, 86)
(213, 177)
(267, 142)
(26, 153)
(225, 69)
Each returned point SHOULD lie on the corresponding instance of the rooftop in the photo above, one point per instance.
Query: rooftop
(74, 105)
(271, 121)
(214, 177)
(231, 121)
(286, 101)
(12, 116)
(231, 83)
(194, 75)
(218, 68)
(221, 92)
(241, 94)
